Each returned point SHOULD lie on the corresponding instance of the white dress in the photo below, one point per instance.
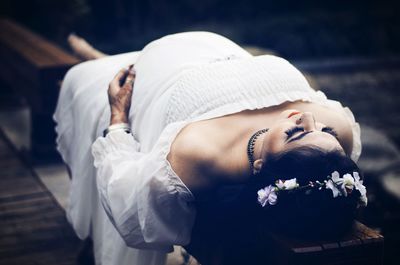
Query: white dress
(181, 78)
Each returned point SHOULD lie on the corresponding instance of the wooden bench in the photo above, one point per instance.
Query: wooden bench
(34, 67)
(221, 243)
(362, 246)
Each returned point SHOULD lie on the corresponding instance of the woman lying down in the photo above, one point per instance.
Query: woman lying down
(192, 120)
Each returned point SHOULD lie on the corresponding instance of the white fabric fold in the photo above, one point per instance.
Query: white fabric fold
(149, 207)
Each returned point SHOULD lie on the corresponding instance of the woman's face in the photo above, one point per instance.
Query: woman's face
(295, 129)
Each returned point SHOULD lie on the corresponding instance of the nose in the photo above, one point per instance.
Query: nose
(307, 120)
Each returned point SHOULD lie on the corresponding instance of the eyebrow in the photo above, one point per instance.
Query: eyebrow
(299, 137)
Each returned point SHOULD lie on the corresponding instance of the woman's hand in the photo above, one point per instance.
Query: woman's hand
(120, 94)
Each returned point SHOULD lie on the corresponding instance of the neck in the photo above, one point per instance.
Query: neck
(254, 146)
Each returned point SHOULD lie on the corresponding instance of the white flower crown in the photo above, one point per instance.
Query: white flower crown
(339, 186)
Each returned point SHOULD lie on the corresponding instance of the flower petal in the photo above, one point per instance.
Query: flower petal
(363, 201)
(357, 177)
(335, 176)
(272, 198)
(329, 185)
(267, 196)
(280, 184)
(290, 184)
(348, 181)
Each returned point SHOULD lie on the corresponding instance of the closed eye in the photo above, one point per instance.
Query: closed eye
(292, 131)
(330, 130)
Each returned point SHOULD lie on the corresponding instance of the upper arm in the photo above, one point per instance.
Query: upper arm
(191, 159)
(139, 195)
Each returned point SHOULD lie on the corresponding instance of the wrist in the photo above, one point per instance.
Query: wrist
(117, 127)
(118, 118)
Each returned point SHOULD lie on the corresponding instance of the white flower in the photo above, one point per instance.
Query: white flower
(339, 183)
(329, 185)
(267, 196)
(286, 184)
(348, 181)
(336, 178)
(280, 184)
(344, 186)
(358, 184)
(363, 201)
(291, 184)
(334, 183)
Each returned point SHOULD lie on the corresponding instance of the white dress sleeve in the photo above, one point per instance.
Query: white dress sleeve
(148, 204)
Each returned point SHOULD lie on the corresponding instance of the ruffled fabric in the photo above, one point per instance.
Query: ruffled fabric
(254, 82)
(140, 192)
(114, 142)
(165, 141)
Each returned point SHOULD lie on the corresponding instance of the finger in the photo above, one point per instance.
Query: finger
(118, 77)
(130, 78)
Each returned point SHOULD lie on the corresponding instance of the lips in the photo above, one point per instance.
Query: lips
(293, 113)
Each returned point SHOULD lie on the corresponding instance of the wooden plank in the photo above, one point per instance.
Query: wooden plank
(34, 67)
(23, 187)
(42, 54)
(329, 245)
(48, 257)
(19, 197)
(349, 241)
(361, 246)
(33, 227)
(50, 214)
(296, 245)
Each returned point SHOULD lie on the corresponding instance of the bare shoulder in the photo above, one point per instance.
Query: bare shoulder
(194, 142)
(191, 155)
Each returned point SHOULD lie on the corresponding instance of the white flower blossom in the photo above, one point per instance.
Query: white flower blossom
(336, 178)
(358, 184)
(286, 184)
(331, 186)
(267, 196)
(348, 181)
(280, 184)
(339, 187)
(339, 183)
(291, 184)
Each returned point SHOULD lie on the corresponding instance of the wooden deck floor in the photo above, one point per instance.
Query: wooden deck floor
(33, 227)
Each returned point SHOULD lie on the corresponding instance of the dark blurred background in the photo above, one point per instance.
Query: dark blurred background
(294, 29)
(348, 49)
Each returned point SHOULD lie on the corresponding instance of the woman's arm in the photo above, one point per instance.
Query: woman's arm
(148, 206)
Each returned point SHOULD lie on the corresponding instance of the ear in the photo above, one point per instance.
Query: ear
(257, 165)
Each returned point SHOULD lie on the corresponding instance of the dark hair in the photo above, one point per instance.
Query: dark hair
(315, 214)
(234, 223)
